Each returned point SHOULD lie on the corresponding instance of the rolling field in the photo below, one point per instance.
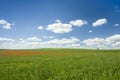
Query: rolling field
(59, 64)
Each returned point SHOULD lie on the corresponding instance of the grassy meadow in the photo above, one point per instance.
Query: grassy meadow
(61, 64)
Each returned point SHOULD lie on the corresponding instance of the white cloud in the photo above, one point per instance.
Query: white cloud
(33, 39)
(90, 31)
(73, 46)
(48, 37)
(22, 40)
(72, 42)
(58, 21)
(2, 40)
(78, 22)
(40, 28)
(114, 41)
(5, 43)
(114, 38)
(94, 41)
(116, 44)
(117, 25)
(99, 22)
(6, 25)
(108, 42)
(64, 41)
(59, 27)
(35, 42)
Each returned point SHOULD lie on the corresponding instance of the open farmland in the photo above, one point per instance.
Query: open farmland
(59, 64)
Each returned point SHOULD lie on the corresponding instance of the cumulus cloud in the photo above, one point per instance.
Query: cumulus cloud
(48, 37)
(94, 41)
(34, 42)
(73, 46)
(40, 28)
(72, 42)
(78, 22)
(117, 25)
(58, 21)
(108, 42)
(29, 40)
(114, 38)
(116, 44)
(21, 40)
(2, 40)
(33, 39)
(6, 25)
(59, 27)
(114, 41)
(64, 41)
(99, 22)
(6, 42)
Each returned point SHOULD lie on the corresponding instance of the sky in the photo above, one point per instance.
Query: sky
(27, 24)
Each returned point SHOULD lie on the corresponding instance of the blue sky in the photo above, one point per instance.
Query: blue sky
(87, 23)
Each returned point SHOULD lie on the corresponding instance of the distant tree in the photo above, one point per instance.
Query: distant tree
(97, 48)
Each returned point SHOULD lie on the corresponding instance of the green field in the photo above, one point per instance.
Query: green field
(61, 64)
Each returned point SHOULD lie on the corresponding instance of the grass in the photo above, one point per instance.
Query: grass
(61, 64)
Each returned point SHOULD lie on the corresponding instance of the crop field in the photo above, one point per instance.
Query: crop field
(59, 64)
